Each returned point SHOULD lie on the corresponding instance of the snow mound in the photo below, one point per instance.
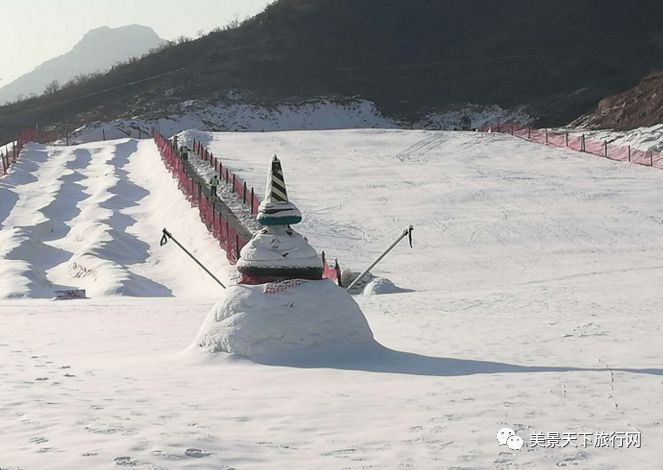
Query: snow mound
(272, 320)
(381, 285)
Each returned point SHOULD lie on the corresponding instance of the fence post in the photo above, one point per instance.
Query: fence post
(244, 194)
(567, 139)
(582, 143)
(234, 182)
(605, 148)
(237, 246)
(546, 130)
(103, 134)
(529, 134)
(629, 153)
(651, 158)
(213, 215)
(252, 201)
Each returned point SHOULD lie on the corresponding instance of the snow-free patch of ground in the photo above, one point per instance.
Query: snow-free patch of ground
(535, 305)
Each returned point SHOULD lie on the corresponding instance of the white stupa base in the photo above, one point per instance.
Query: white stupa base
(278, 247)
(264, 322)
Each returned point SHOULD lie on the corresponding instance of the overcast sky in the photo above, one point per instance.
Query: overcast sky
(34, 31)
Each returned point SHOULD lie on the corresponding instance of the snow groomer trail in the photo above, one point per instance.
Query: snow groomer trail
(530, 300)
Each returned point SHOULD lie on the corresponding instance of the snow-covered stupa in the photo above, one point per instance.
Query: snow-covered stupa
(277, 252)
(283, 309)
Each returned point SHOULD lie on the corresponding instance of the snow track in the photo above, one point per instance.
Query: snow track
(72, 222)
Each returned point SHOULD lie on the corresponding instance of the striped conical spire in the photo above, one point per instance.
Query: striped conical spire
(275, 209)
(275, 189)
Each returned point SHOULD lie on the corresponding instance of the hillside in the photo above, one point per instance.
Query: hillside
(559, 57)
(640, 106)
(97, 51)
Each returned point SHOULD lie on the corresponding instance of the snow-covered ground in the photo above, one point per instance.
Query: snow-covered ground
(233, 114)
(642, 138)
(90, 217)
(535, 305)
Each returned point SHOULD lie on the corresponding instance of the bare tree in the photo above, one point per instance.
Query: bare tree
(52, 87)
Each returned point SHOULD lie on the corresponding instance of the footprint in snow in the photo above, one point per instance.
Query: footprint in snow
(196, 453)
(125, 461)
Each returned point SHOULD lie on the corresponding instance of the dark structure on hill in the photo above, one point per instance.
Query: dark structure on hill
(409, 56)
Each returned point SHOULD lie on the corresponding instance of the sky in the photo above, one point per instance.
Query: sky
(34, 31)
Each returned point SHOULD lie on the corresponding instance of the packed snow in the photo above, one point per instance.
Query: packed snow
(287, 322)
(533, 304)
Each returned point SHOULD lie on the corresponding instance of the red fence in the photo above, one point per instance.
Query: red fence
(239, 186)
(196, 192)
(9, 157)
(221, 229)
(580, 143)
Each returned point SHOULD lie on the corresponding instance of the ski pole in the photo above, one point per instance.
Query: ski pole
(406, 233)
(164, 239)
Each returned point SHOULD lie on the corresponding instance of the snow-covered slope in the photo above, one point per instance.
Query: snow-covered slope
(536, 306)
(642, 138)
(90, 217)
(233, 114)
(488, 210)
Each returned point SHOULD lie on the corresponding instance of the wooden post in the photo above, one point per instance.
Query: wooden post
(103, 134)
(233, 182)
(244, 194)
(651, 158)
(605, 148)
(237, 246)
(582, 143)
(529, 134)
(546, 130)
(567, 139)
(213, 215)
(252, 200)
(67, 139)
(629, 153)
